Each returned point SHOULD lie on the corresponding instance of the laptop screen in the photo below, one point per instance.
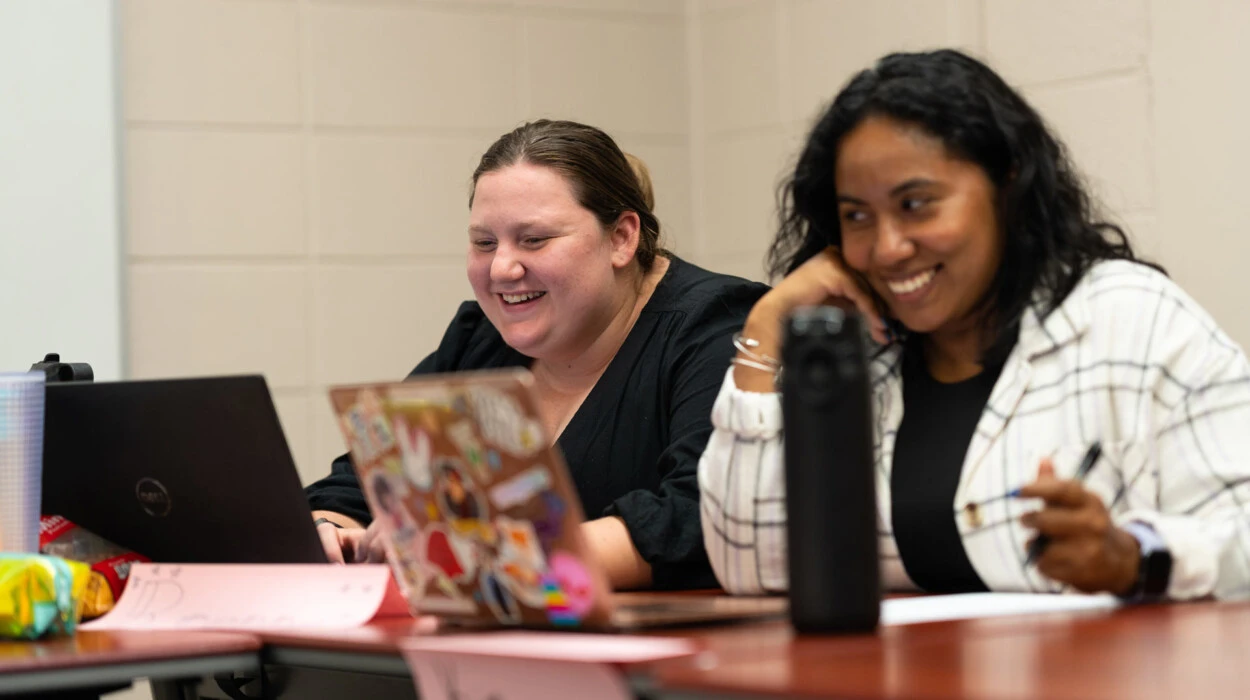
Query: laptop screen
(179, 470)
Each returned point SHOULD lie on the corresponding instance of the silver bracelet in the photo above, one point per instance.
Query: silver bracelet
(747, 346)
(745, 362)
(775, 371)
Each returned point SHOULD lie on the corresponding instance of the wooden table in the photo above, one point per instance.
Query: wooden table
(360, 662)
(1194, 650)
(366, 661)
(1191, 650)
(91, 662)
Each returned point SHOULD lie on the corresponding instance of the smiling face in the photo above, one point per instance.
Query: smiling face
(546, 273)
(919, 224)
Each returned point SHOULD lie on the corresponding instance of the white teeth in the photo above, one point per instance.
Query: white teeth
(518, 298)
(912, 283)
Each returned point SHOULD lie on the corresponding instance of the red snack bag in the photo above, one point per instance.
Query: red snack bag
(110, 564)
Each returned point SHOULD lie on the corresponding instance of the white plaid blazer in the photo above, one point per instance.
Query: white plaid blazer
(1128, 358)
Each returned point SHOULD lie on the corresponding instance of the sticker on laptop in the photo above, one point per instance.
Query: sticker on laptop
(502, 604)
(517, 540)
(520, 560)
(389, 494)
(568, 590)
(461, 433)
(367, 425)
(415, 451)
(574, 580)
(449, 554)
(450, 602)
(554, 600)
(394, 466)
(420, 395)
(409, 574)
(550, 523)
(457, 496)
(520, 488)
(503, 424)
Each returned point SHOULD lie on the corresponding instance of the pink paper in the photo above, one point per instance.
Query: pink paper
(252, 597)
(531, 665)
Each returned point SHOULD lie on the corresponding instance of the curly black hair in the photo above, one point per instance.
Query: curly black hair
(1051, 233)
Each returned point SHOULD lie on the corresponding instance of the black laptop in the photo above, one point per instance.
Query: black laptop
(179, 470)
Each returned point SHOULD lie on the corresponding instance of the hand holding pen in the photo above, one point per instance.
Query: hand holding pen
(1077, 543)
(1038, 545)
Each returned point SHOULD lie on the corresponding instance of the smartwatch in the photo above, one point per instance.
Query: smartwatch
(1154, 570)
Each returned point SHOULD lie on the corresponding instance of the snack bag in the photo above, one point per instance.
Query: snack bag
(110, 564)
(39, 595)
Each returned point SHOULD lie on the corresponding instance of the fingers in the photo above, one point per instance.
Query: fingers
(350, 544)
(330, 543)
(1045, 478)
(1070, 510)
(1058, 564)
(363, 544)
(1067, 522)
(371, 547)
(818, 281)
(1062, 494)
(841, 282)
(377, 551)
(1087, 564)
(867, 308)
(349, 540)
(1084, 548)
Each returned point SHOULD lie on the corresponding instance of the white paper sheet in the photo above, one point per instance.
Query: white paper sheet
(932, 608)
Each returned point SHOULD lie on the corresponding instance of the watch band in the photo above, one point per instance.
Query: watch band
(1154, 569)
(318, 521)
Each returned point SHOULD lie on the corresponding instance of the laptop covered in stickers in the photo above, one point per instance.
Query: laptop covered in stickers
(482, 516)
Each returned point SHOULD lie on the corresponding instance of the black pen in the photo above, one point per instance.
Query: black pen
(1087, 463)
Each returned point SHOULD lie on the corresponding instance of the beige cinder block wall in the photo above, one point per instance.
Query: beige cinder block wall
(1148, 95)
(296, 170)
(765, 69)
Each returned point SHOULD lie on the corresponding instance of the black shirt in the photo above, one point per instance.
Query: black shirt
(633, 446)
(938, 423)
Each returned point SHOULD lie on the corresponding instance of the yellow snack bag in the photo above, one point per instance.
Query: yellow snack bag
(40, 595)
(98, 598)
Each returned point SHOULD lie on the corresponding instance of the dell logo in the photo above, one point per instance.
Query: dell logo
(153, 497)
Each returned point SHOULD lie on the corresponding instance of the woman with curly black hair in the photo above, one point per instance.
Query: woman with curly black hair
(1016, 330)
